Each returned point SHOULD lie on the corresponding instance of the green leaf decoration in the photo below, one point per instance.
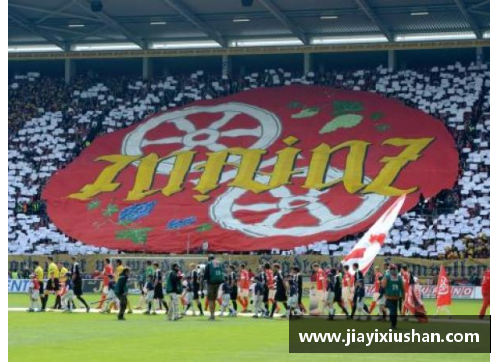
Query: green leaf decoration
(382, 127)
(344, 121)
(344, 107)
(294, 105)
(306, 112)
(204, 227)
(376, 116)
(94, 204)
(137, 236)
(110, 210)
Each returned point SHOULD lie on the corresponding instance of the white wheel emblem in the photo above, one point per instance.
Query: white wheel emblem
(223, 209)
(267, 132)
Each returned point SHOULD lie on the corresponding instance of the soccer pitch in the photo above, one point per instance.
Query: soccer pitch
(94, 337)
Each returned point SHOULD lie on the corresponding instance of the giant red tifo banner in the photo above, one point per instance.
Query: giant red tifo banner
(262, 169)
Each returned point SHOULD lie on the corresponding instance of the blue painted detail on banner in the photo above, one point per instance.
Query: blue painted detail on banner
(176, 224)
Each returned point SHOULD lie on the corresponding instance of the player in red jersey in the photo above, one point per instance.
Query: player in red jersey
(405, 275)
(34, 294)
(347, 287)
(376, 288)
(320, 285)
(108, 270)
(485, 289)
(270, 285)
(244, 288)
(251, 274)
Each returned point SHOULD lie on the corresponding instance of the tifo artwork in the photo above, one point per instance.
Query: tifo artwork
(45, 142)
(258, 170)
(239, 180)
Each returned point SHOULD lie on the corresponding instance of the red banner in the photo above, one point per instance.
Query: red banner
(262, 169)
(443, 290)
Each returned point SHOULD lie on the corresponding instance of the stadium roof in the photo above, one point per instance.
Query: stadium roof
(159, 24)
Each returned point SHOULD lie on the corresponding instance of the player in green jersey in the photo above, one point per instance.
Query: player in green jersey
(394, 290)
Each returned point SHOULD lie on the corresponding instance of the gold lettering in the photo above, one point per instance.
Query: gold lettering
(183, 161)
(146, 172)
(144, 178)
(105, 181)
(212, 170)
(393, 166)
(281, 174)
(284, 168)
(353, 173)
(247, 167)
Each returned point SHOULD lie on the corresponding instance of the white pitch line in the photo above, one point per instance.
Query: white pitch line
(139, 312)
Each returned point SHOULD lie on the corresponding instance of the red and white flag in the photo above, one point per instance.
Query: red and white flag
(443, 290)
(369, 245)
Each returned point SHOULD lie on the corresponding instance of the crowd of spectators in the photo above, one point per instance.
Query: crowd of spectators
(51, 122)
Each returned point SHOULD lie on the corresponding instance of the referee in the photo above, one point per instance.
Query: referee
(52, 282)
(76, 276)
(39, 276)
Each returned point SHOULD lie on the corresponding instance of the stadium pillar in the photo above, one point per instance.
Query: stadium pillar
(69, 70)
(479, 55)
(147, 68)
(226, 65)
(391, 59)
(307, 63)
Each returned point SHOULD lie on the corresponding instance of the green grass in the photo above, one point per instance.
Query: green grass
(459, 307)
(92, 337)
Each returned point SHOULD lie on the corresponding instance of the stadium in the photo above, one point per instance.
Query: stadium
(256, 164)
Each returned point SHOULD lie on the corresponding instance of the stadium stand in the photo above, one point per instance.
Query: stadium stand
(51, 122)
